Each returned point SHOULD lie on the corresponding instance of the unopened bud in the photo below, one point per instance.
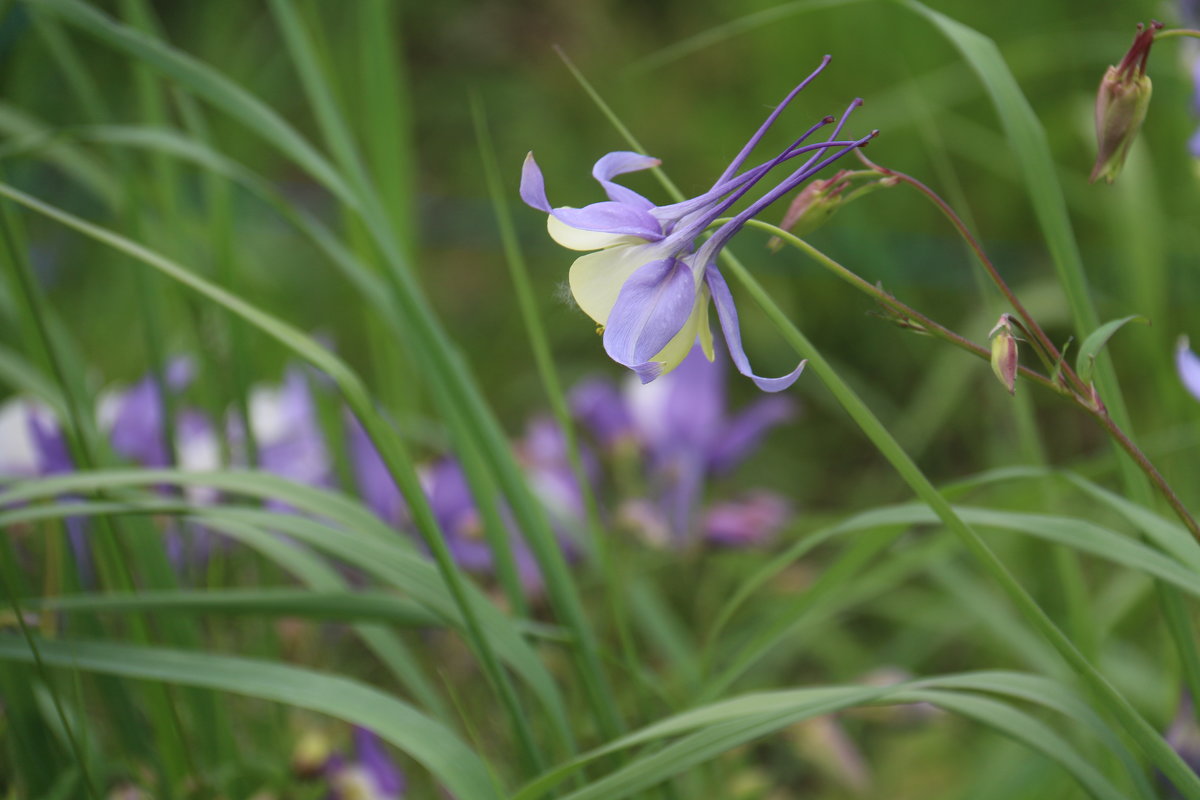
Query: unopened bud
(1004, 353)
(812, 208)
(1121, 105)
(821, 199)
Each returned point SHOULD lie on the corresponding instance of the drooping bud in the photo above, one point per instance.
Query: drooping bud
(1121, 105)
(1004, 353)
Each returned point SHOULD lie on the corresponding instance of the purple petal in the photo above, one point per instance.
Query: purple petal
(373, 757)
(742, 436)
(1194, 144)
(727, 313)
(1188, 365)
(375, 483)
(533, 185)
(653, 305)
(137, 431)
(179, 373)
(751, 520)
(684, 490)
(54, 457)
(598, 405)
(619, 163)
(610, 217)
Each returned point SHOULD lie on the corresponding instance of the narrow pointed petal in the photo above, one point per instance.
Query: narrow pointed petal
(596, 279)
(727, 313)
(619, 163)
(1188, 365)
(652, 307)
(533, 185)
(610, 217)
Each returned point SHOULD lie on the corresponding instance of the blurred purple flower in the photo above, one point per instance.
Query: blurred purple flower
(461, 523)
(1187, 364)
(373, 775)
(647, 284)
(753, 519)
(598, 404)
(543, 458)
(286, 431)
(375, 483)
(1189, 13)
(32, 444)
(687, 434)
(134, 417)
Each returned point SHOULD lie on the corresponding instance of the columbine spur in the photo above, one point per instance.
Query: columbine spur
(648, 283)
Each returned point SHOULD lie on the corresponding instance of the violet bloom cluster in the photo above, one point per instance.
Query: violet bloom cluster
(684, 452)
(542, 455)
(133, 420)
(648, 283)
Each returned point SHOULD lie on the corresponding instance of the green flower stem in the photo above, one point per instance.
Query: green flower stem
(913, 318)
(1147, 738)
(1049, 350)
(1176, 33)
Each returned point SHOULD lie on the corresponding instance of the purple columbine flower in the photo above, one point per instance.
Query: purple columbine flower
(749, 520)
(685, 450)
(373, 775)
(32, 444)
(461, 523)
(375, 483)
(289, 438)
(648, 284)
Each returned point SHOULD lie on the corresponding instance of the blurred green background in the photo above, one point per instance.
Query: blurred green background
(692, 80)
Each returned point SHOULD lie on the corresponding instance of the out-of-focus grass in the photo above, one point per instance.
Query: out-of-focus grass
(1138, 241)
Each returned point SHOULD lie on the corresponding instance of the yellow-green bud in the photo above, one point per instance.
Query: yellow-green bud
(1004, 353)
(1121, 105)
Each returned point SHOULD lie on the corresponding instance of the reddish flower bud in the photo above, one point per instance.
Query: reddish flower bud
(1004, 353)
(1121, 105)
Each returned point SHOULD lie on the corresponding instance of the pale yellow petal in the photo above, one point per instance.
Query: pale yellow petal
(681, 343)
(579, 239)
(596, 279)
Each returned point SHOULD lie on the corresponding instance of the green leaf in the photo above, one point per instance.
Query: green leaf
(1085, 360)
(306, 603)
(429, 742)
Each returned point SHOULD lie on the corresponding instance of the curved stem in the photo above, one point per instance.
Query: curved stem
(1126, 444)
(1042, 340)
(923, 324)
(1176, 33)
(1086, 401)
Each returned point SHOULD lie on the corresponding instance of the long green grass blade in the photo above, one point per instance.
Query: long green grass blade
(428, 742)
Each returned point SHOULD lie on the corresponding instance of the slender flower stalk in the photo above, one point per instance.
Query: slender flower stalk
(648, 284)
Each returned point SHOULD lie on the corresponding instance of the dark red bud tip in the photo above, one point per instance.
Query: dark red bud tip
(1139, 51)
